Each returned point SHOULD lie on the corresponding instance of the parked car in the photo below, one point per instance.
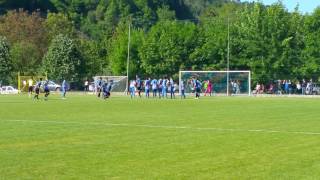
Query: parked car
(52, 86)
(8, 90)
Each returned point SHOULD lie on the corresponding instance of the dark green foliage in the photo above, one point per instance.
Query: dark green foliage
(26, 58)
(30, 5)
(63, 59)
(5, 61)
(167, 47)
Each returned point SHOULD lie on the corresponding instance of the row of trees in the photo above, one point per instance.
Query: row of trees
(270, 41)
(80, 39)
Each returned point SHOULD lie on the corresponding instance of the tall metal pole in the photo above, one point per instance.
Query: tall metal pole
(228, 58)
(128, 57)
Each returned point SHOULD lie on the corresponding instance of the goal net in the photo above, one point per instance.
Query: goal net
(223, 82)
(119, 82)
(24, 82)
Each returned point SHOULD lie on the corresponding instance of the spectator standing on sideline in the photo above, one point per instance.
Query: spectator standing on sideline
(86, 86)
(289, 87)
(298, 91)
(303, 87)
(286, 87)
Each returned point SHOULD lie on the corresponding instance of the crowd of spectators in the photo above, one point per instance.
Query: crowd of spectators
(280, 87)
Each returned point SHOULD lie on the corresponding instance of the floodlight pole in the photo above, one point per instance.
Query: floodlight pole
(228, 58)
(128, 57)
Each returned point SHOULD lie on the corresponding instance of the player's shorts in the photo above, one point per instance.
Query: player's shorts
(139, 88)
(46, 90)
(30, 89)
(37, 90)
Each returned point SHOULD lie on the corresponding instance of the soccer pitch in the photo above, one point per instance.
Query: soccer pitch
(83, 137)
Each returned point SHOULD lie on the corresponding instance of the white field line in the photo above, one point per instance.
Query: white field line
(169, 127)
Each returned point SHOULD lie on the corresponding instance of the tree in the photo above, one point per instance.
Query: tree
(269, 42)
(43, 5)
(26, 58)
(311, 53)
(63, 60)
(5, 61)
(167, 48)
(58, 23)
(20, 26)
(118, 51)
(94, 56)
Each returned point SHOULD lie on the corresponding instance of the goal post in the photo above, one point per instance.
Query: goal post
(236, 82)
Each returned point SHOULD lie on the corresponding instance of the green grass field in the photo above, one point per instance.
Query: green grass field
(83, 137)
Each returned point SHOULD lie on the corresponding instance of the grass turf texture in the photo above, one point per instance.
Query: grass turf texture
(87, 138)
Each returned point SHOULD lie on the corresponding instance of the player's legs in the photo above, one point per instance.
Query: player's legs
(139, 92)
(46, 95)
(153, 93)
(30, 90)
(164, 93)
(172, 95)
(132, 93)
(160, 91)
(37, 92)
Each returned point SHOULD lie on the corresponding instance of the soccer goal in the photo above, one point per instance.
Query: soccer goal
(119, 82)
(223, 82)
(24, 82)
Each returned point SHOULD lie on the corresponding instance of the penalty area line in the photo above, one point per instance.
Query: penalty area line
(169, 127)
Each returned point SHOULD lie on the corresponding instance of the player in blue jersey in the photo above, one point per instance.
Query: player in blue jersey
(182, 89)
(46, 90)
(154, 88)
(164, 87)
(198, 87)
(147, 86)
(64, 88)
(107, 86)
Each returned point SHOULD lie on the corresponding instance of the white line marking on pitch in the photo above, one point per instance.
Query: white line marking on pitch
(169, 127)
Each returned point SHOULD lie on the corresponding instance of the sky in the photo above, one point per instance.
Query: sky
(305, 6)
